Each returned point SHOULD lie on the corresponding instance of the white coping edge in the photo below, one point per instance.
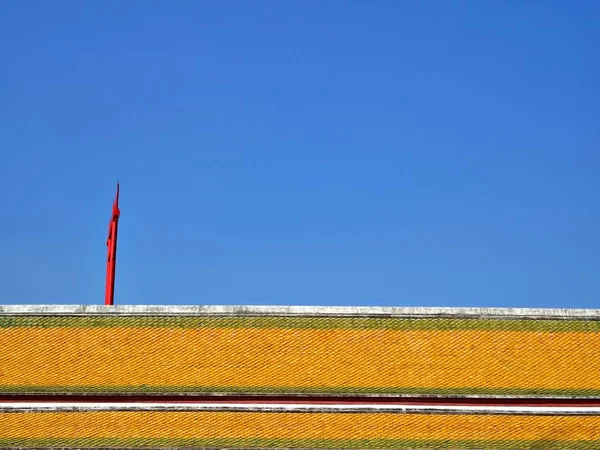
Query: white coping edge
(312, 311)
(282, 407)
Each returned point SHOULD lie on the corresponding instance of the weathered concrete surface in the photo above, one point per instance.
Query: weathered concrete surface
(324, 311)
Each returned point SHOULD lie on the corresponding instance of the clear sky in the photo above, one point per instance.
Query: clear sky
(408, 153)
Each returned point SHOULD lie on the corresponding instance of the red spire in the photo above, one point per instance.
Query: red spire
(111, 243)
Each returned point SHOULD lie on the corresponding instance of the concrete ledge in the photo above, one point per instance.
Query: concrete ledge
(23, 407)
(308, 311)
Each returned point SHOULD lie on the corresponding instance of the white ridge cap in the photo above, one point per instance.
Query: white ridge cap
(308, 311)
(283, 407)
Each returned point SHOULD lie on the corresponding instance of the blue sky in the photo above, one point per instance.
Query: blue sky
(407, 153)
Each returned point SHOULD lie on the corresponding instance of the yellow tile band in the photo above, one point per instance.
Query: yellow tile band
(299, 359)
(358, 430)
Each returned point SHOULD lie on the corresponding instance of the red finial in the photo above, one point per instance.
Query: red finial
(111, 243)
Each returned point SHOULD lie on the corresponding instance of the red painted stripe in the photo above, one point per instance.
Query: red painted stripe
(346, 400)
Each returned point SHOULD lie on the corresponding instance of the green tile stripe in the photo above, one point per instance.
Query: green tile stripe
(249, 443)
(347, 390)
(320, 323)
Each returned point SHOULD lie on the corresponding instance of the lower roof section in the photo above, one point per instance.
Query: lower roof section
(253, 428)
